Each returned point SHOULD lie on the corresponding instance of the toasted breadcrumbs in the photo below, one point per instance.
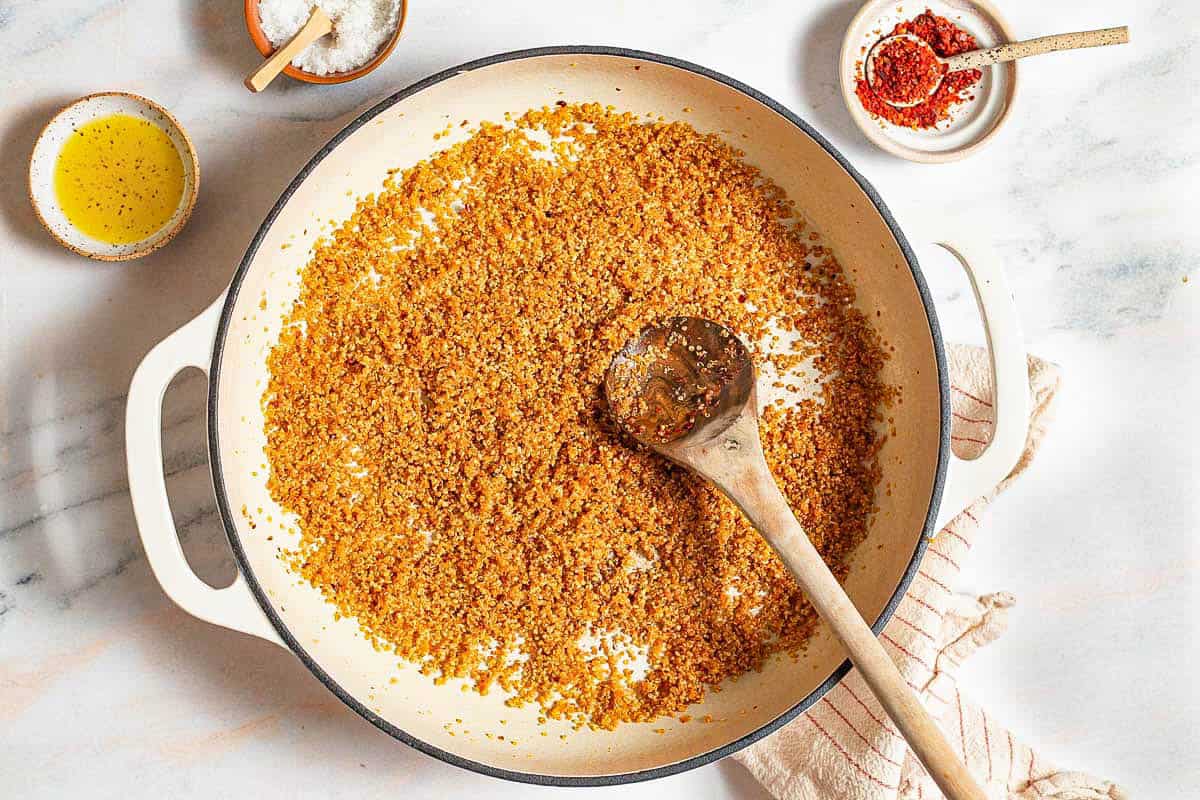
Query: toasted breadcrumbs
(435, 419)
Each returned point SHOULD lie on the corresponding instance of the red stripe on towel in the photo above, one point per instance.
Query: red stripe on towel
(1011, 759)
(866, 741)
(945, 558)
(962, 728)
(921, 602)
(933, 580)
(848, 757)
(965, 393)
(970, 439)
(906, 652)
(924, 633)
(956, 535)
(987, 743)
(886, 725)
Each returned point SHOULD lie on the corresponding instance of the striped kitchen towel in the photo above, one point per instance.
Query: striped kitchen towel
(844, 746)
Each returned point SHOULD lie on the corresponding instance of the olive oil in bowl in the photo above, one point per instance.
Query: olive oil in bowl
(119, 179)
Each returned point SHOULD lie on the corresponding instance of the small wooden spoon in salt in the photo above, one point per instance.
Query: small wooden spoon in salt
(318, 25)
(973, 59)
(686, 389)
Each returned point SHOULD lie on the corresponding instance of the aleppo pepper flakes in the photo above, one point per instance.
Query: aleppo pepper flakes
(946, 39)
(906, 72)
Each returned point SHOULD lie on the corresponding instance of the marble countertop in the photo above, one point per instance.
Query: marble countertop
(1089, 194)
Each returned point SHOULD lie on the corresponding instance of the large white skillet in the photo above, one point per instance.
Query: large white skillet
(232, 337)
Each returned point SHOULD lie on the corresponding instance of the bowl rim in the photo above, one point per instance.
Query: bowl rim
(162, 238)
(264, 46)
(358, 706)
(875, 135)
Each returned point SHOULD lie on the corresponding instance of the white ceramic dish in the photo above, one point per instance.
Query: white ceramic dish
(232, 338)
(972, 124)
(50, 144)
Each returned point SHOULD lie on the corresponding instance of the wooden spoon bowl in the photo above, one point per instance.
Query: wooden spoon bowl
(254, 28)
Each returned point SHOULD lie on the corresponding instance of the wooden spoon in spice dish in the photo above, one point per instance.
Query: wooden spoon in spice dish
(318, 25)
(904, 71)
(686, 389)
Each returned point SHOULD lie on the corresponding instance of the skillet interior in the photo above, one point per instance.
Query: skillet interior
(398, 132)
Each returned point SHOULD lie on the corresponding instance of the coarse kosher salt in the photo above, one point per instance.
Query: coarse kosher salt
(360, 29)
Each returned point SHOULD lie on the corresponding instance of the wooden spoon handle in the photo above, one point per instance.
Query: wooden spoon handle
(317, 26)
(733, 461)
(1035, 47)
(768, 510)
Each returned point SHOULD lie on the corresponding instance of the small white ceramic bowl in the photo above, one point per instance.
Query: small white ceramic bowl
(972, 124)
(50, 144)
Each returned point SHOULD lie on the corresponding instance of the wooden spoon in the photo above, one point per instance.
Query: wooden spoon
(686, 388)
(974, 59)
(318, 25)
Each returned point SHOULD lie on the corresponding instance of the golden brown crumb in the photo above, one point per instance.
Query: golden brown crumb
(437, 424)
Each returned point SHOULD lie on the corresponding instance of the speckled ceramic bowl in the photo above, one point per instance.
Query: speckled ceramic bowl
(972, 124)
(254, 28)
(50, 144)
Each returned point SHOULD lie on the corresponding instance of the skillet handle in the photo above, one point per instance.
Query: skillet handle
(232, 607)
(969, 480)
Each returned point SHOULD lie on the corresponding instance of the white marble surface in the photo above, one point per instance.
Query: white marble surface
(1090, 194)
